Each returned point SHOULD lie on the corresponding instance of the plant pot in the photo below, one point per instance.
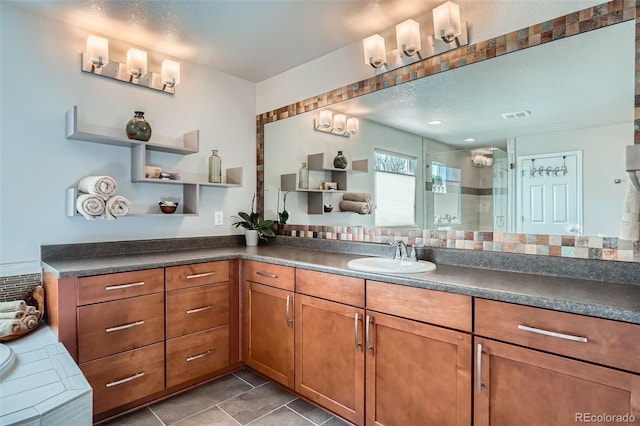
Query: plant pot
(251, 237)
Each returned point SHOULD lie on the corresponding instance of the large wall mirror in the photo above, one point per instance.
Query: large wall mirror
(530, 142)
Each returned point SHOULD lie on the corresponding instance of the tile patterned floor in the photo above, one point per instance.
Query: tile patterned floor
(239, 398)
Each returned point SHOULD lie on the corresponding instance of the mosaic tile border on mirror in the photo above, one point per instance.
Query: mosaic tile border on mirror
(584, 247)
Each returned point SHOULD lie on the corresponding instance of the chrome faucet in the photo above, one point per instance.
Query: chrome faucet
(401, 250)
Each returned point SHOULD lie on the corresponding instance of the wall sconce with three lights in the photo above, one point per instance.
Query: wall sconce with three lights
(134, 71)
(337, 124)
(450, 34)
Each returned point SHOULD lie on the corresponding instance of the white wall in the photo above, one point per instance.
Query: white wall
(345, 66)
(40, 79)
(600, 146)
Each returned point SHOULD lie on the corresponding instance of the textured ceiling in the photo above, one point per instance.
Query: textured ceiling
(253, 40)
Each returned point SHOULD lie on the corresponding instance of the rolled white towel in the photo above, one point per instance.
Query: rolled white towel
(31, 321)
(364, 197)
(359, 207)
(102, 186)
(115, 207)
(10, 327)
(90, 206)
(13, 315)
(12, 306)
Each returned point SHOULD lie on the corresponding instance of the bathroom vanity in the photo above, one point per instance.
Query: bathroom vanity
(369, 347)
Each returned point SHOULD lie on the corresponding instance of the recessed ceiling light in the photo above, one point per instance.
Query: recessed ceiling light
(435, 122)
(469, 140)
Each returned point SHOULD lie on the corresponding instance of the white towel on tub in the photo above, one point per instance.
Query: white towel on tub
(102, 186)
(90, 206)
(115, 207)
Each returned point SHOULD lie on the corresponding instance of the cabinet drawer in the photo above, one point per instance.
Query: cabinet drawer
(104, 288)
(196, 274)
(606, 342)
(269, 274)
(198, 308)
(197, 354)
(434, 307)
(125, 377)
(112, 327)
(333, 287)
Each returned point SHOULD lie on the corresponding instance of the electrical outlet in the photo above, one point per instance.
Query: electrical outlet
(218, 218)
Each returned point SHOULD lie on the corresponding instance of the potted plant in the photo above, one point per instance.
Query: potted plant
(283, 215)
(255, 228)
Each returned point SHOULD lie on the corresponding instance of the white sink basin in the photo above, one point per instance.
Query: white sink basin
(7, 357)
(390, 266)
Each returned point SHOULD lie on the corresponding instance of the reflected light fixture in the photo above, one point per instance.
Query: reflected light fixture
(96, 61)
(97, 51)
(336, 124)
(375, 53)
(435, 122)
(446, 21)
(408, 37)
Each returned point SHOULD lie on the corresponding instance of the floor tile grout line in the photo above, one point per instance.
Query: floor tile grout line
(229, 415)
(275, 409)
(156, 416)
(245, 380)
(307, 419)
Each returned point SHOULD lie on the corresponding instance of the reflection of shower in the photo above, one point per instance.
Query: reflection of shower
(500, 190)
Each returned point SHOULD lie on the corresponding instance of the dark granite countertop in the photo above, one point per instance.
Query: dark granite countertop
(594, 298)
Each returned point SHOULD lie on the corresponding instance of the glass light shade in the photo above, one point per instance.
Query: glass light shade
(97, 51)
(136, 62)
(446, 21)
(325, 118)
(408, 37)
(339, 122)
(170, 72)
(353, 125)
(375, 53)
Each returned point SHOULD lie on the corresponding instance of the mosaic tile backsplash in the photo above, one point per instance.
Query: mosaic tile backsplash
(600, 248)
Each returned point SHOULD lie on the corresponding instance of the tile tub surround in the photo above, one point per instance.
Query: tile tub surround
(239, 398)
(564, 26)
(57, 394)
(605, 299)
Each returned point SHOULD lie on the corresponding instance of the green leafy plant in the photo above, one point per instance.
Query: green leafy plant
(283, 215)
(252, 221)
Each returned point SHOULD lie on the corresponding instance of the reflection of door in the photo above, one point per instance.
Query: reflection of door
(550, 199)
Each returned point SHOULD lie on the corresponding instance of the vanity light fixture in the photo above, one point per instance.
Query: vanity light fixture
(450, 34)
(446, 21)
(96, 61)
(336, 124)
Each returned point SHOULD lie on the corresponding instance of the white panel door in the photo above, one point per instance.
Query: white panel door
(551, 193)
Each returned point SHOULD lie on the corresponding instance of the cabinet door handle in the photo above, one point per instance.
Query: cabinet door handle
(266, 274)
(202, 355)
(128, 379)
(479, 368)
(552, 334)
(204, 274)
(204, 308)
(368, 321)
(122, 327)
(289, 320)
(121, 286)
(356, 336)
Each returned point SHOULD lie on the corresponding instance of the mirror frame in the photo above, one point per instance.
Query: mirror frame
(585, 247)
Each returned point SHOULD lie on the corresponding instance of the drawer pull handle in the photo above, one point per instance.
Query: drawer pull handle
(122, 327)
(121, 286)
(552, 334)
(356, 328)
(202, 355)
(204, 308)
(204, 274)
(287, 310)
(128, 379)
(479, 368)
(266, 274)
(368, 322)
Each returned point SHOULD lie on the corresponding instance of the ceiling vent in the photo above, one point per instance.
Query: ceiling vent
(518, 114)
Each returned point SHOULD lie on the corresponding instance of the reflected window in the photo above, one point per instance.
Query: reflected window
(395, 188)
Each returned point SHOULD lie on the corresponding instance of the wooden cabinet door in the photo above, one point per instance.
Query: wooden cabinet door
(519, 386)
(268, 331)
(330, 357)
(417, 374)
